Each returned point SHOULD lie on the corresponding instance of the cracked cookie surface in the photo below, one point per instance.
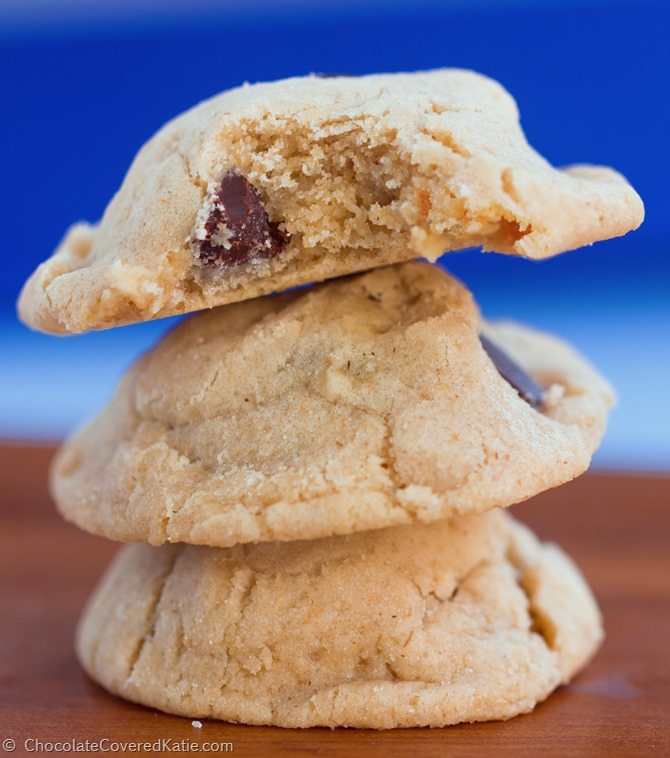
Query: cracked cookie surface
(464, 620)
(342, 174)
(360, 403)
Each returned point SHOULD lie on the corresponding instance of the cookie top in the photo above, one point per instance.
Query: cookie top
(361, 403)
(422, 625)
(269, 186)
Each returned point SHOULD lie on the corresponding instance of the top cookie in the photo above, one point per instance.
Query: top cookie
(362, 403)
(269, 186)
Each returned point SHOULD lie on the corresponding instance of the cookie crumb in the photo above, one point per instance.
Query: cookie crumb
(553, 396)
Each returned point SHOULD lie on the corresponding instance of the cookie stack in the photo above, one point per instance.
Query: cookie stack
(316, 478)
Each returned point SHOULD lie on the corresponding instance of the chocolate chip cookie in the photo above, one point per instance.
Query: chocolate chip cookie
(270, 186)
(369, 401)
(422, 625)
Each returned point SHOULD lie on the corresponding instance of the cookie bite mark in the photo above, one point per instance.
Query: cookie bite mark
(233, 226)
(272, 186)
(341, 183)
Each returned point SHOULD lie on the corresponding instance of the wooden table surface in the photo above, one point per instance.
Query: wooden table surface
(616, 528)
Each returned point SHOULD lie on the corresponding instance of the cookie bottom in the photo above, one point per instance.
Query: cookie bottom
(424, 625)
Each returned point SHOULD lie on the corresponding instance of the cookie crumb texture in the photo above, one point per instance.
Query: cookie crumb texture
(468, 620)
(351, 173)
(360, 403)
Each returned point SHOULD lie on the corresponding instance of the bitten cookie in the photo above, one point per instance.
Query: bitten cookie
(422, 625)
(361, 403)
(274, 185)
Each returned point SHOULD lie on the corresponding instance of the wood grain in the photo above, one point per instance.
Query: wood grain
(615, 526)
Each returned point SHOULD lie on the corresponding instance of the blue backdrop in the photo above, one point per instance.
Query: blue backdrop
(592, 84)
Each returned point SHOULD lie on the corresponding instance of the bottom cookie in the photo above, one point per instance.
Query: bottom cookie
(423, 625)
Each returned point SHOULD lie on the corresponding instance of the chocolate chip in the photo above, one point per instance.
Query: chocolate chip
(522, 382)
(237, 228)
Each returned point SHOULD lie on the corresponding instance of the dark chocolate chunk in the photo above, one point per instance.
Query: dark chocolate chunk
(522, 382)
(238, 229)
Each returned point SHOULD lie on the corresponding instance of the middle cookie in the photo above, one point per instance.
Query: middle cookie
(358, 404)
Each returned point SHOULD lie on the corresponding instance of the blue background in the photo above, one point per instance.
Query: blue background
(80, 94)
